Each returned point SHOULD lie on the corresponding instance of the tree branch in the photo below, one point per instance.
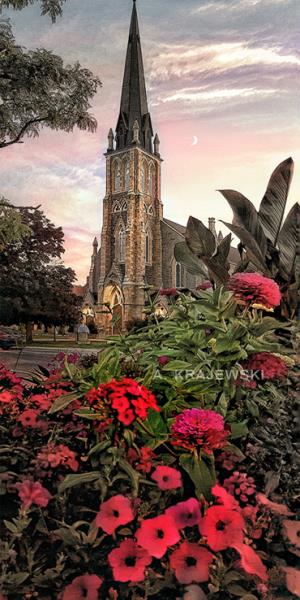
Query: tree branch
(17, 139)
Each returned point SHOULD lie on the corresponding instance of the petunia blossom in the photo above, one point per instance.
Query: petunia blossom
(6, 397)
(114, 512)
(32, 492)
(129, 562)
(157, 535)
(250, 561)
(167, 478)
(191, 563)
(84, 587)
(185, 514)
(222, 527)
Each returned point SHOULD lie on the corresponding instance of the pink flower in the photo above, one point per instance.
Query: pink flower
(185, 514)
(250, 561)
(156, 535)
(163, 360)
(84, 587)
(167, 478)
(191, 563)
(6, 397)
(252, 288)
(32, 492)
(56, 456)
(199, 428)
(292, 580)
(168, 292)
(129, 562)
(29, 418)
(270, 366)
(206, 285)
(275, 507)
(114, 512)
(222, 527)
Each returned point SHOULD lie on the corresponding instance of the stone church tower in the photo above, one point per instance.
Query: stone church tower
(131, 240)
(137, 242)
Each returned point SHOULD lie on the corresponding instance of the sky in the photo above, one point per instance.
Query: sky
(223, 91)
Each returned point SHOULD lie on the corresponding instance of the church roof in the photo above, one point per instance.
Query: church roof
(181, 229)
(134, 104)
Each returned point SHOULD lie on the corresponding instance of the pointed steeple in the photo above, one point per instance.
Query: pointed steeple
(134, 105)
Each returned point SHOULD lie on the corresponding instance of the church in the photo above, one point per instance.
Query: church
(136, 252)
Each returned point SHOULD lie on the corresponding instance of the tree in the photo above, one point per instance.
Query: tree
(29, 274)
(12, 229)
(53, 8)
(37, 90)
(60, 306)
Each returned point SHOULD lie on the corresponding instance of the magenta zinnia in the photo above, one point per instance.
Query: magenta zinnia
(269, 365)
(254, 289)
(199, 428)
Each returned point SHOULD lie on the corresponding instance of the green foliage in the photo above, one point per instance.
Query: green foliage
(33, 286)
(53, 8)
(12, 229)
(37, 90)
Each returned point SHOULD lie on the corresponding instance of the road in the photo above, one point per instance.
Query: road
(29, 358)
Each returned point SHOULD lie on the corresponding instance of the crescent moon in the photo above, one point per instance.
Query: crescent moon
(195, 141)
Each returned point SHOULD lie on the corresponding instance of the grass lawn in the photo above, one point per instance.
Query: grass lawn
(64, 344)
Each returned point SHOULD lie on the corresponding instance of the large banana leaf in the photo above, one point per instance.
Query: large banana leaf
(189, 260)
(253, 250)
(199, 238)
(245, 216)
(217, 270)
(223, 249)
(288, 240)
(273, 204)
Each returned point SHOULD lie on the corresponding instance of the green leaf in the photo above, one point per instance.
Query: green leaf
(273, 204)
(73, 480)
(85, 413)
(133, 475)
(100, 447)
(246, 217)
(288, 240)
(62, 403)
(199, 238)
(239, 430)
(267, 324)
(252, 407)
(189, 260)
(201, 473)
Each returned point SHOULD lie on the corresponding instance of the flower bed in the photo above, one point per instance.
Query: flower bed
(139, 477)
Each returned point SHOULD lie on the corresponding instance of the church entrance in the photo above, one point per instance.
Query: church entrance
(113, 300)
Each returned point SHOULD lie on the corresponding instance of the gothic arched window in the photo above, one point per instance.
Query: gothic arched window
(127, 175)
(151, 180)
(122, 245)
(117, 176)
(144, 177)
(148, 248)
(179, 275)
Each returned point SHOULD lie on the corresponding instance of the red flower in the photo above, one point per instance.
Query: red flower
(222, 527)
(32, 492)
(269, 366)
(168, 292)
(224, 497)
(127, 400)
(29, 418)
(163, 360)
(114, 512)
(167, 478)
(191, 563)
(250, 561)
(251, 288)
(56, 456)
(42, 401)
(206, 285)
(142, 461)
(185, 514)
(197, 427)
(84, 587)
(156, 535)
(129, 562)
(6, 397)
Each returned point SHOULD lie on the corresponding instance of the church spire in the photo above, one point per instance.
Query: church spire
(134, 105)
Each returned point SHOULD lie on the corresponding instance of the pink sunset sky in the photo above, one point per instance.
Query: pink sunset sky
(222, 73)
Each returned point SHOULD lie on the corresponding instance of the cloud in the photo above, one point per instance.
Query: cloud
(185, 60)
(197, 95)
(235, 5)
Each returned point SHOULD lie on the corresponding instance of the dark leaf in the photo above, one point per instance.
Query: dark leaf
(223, 249)
(288, 240)
(199, 238)
(187, 258)
(245, 215)
(217, 270)
(78, 479)
(253, 249)
(273, 204)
